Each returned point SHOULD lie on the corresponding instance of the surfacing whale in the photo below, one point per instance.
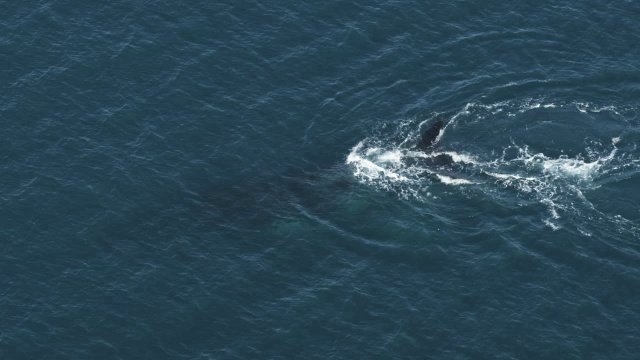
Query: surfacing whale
(430, 136)
(428, 142)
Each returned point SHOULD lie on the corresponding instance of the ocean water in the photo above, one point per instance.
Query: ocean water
(239, 180)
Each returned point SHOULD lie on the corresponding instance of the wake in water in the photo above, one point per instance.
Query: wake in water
(549, 154)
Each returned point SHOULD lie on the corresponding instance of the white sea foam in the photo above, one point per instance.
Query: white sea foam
(392, 157)
(550, 224)
(392, 169)
(461, 158)
(511, 177)
(451, 181)
(556, 182)
(367, 169)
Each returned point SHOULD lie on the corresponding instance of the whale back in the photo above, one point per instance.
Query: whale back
(430, 136)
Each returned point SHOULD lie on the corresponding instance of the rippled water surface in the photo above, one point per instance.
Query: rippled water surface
(241, 180)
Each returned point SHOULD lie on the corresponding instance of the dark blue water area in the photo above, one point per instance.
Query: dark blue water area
(240, 180)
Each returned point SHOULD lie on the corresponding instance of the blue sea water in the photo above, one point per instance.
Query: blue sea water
(239, 180)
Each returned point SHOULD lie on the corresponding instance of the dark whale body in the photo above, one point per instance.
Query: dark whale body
(430, 136)
(427, 142)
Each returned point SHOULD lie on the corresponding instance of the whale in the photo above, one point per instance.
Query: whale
(427, 145)
(430, 136)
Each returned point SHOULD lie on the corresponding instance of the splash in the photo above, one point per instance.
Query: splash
(555, 181)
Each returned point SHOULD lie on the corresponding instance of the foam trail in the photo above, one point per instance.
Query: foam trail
(451, 181)
(368, 169)
(554, 182)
